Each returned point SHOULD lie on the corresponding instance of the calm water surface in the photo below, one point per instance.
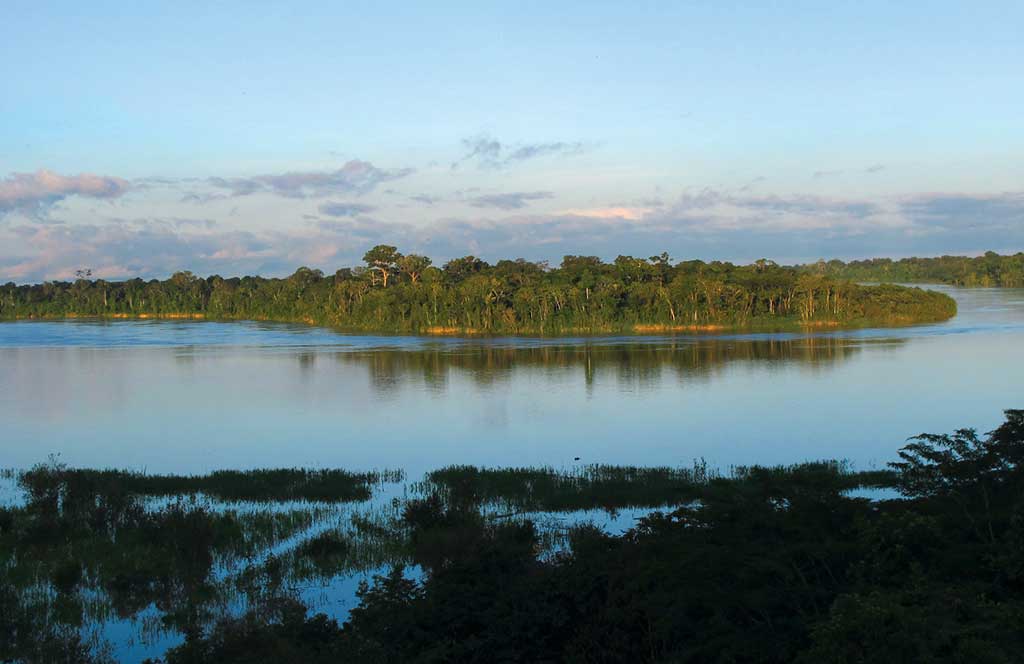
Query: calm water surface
(174, 396)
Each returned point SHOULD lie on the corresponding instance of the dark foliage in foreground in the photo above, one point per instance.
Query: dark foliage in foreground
(773, 565)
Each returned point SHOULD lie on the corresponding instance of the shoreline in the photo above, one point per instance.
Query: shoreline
(638, 329)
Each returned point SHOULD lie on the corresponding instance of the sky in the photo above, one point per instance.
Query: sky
(138, 139)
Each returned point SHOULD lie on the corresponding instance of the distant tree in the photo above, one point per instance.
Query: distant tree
(183, 278)
(662, 265)
(520, 271)
(459, 269)
(383, 260)
(305, 276)
(632, 270)
(413, 265)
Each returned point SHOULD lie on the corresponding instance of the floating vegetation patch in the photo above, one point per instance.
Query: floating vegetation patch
(280, 484)
(547, 489)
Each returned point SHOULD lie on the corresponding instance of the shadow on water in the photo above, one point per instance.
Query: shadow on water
(626, 364)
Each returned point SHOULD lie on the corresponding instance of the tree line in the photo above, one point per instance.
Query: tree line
(407, 293)
(988, 270)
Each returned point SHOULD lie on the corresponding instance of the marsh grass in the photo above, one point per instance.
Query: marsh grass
(547, 489)
(610, 488)
(280, 484)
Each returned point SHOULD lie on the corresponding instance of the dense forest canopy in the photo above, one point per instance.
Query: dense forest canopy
(406, 293)
(988, 270)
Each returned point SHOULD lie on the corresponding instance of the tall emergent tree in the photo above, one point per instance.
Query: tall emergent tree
(383, 260)
(413, 265)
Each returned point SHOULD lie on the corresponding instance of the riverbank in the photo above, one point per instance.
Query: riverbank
(779, 324)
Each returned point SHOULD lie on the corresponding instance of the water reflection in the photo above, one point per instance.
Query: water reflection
(100, 564)
(629, 366)
(191, 396)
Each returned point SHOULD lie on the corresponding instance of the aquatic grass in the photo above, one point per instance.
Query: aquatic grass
(607, 487)
(364, 541)
(546, 489)
(279, 484)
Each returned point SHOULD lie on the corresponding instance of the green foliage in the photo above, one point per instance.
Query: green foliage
(988, 270)
(383, 261)
(397, 293)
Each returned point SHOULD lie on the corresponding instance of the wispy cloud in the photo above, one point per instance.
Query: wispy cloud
(201, 198)
(157, 248)
(945, 210)
(869, 170)
(611, 212)
(355, 177)
(34, 193)
(482, 149)
(753, 183)
(509, 201)
(708, 224)
(488, 152)
(716, 209)
(562, 148)
(345, 209)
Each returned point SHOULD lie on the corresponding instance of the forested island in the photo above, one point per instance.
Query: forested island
(989, 270)
(406, 293)
(763, 564)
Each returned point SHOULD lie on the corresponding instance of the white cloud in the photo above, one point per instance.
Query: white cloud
(35, 193)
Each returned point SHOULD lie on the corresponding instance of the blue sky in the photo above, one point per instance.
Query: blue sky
(142, 138)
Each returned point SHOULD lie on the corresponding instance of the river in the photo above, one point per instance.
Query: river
(190, 396)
